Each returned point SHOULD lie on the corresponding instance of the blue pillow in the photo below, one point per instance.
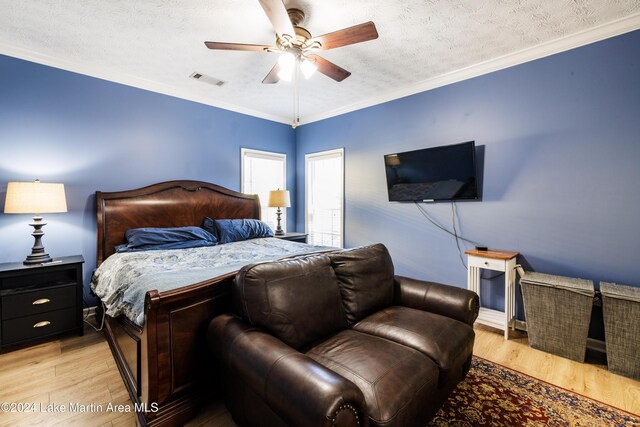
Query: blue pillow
(234, 230)
(144, 239)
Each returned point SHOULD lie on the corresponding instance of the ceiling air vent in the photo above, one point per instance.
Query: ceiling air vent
(206, 79)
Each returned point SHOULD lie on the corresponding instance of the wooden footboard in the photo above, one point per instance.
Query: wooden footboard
(166, 366)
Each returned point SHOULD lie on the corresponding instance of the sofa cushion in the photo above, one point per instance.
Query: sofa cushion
(448, 342)
(365, 276)
(297, 299)
(397, 381)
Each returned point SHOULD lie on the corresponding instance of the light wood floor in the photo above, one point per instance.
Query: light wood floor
(81, 370)
(588, 379)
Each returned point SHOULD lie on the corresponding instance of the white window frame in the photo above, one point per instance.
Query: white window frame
(269, 155)
(307, 158)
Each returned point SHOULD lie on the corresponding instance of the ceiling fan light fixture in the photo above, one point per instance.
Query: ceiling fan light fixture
(287, 63)
(308, 68)
(297, 46)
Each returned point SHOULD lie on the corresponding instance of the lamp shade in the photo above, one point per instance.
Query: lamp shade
(392, 160)
(279, 199)
(35, 198)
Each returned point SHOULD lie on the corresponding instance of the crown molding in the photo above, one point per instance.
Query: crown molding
(129, 80)
(572, 41)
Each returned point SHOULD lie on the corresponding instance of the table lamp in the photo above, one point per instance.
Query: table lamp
(35, 198)
(279, 199)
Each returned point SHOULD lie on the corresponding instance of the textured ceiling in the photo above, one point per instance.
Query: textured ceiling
(157, 44)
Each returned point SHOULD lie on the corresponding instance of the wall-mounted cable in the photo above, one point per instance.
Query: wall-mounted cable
(454, 233)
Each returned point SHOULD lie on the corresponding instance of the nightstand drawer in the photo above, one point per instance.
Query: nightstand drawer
(38, 301)
(39, 325)
(488, 263)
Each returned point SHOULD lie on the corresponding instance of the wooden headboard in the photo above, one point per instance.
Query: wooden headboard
(168, 204)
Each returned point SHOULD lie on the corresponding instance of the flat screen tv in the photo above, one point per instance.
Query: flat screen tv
(432, 174)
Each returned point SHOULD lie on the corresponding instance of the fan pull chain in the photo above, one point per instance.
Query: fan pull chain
(296, 96)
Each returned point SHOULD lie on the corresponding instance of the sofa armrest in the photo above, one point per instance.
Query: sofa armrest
(457, 303)
(297, 388)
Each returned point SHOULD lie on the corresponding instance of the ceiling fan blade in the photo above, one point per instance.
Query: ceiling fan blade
(272, 77)
(329, 68)
(277, 14)
(346, 36)
(239, 46)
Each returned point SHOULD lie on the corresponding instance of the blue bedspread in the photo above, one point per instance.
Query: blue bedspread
(123, 279)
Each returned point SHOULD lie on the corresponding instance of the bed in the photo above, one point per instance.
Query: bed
(163, 360)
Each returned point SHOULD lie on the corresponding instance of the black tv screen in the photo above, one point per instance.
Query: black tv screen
(431, 174)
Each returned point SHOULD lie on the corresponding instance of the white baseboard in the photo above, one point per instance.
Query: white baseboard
(592, 344)
(89, 312)
(521, 325)
(596, 345)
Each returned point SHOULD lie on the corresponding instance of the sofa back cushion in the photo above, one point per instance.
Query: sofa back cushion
(297, 299)
(365, 277)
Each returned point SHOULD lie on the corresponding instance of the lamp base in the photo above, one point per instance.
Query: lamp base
(279, 231)
(38, 255)
(37, 259)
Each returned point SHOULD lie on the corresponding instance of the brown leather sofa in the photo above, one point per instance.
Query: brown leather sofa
(335, 339)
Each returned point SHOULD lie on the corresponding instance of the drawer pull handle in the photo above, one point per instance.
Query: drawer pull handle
(486, 263)
(42, 324)
(41, 301)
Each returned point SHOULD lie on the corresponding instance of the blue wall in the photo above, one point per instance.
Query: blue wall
(561, 143)
(559, 139)
(93, 135)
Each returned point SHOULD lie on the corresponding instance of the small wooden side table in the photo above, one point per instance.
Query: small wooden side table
(497, 261)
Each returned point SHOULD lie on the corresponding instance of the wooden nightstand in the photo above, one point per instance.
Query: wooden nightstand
(38, 302)
(294, 237)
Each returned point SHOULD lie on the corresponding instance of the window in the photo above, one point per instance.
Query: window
(263, 171)
(324, 176)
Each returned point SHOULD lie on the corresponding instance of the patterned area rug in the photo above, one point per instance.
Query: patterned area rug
(493, 395)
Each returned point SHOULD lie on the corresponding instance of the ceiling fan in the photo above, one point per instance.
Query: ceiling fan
(296, 44)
